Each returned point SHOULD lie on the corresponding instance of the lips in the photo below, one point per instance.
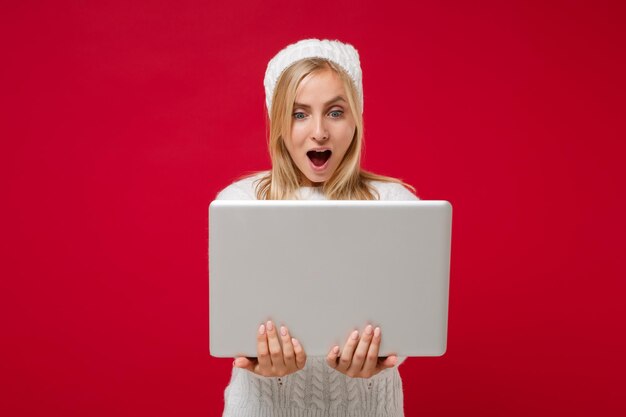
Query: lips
(319, 157)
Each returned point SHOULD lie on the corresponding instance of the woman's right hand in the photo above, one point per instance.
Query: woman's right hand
(277, 355)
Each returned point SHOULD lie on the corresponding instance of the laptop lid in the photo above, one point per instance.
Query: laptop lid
(325, 268)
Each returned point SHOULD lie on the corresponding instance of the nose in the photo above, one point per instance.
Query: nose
(319, 133)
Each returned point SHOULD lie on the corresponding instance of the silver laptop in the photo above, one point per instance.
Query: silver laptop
(325, 268)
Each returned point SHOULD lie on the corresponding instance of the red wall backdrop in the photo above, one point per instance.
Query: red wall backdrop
(121, 121)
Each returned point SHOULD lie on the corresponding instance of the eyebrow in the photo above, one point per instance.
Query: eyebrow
(334, 100)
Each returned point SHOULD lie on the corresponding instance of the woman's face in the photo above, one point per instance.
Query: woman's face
(322, 126)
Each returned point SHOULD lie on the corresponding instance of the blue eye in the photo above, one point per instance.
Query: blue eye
(299, 115)
(336, 113)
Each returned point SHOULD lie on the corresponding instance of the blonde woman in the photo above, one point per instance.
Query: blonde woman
(314, 98)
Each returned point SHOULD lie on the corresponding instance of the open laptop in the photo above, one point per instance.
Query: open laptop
(325, 268)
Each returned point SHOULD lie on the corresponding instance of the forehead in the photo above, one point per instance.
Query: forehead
(320, 86)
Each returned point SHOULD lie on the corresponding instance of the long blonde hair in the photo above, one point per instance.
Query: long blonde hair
(349, 181)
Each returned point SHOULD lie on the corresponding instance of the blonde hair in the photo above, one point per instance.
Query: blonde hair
(349, 181)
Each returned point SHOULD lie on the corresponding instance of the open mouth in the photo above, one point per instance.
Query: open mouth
(319, 158)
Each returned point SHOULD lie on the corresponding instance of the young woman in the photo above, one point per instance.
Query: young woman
(314, 98)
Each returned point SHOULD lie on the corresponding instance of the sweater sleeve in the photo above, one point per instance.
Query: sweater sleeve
(393, 191)
(241, 190)
(232, 192)
(398, 192)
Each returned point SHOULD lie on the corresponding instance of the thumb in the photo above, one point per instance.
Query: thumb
(331, 358)
(389, 361)
(244, 363)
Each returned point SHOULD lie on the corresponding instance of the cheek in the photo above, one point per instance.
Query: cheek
(346, 136)
(291, 147)
(298, 134)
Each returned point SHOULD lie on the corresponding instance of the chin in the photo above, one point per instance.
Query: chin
(317, 179)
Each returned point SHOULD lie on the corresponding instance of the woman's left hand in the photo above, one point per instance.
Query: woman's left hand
(359, 357)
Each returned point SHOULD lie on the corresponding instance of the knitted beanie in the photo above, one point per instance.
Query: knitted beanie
(340, 53)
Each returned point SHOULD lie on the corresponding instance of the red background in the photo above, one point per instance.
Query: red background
(121, 121)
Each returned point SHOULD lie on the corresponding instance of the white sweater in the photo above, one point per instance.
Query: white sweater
(316, 390)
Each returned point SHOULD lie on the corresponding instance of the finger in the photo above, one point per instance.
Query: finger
(245, 363)
(289, 356)
(262, 349)
(388, 362)
(299, 352)
(371, 361)
(348, 350)
(332, 357)
(360, 353)
(276, 352)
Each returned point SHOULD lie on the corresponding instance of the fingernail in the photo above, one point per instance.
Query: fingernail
(368, 329)
(355, 335)
(377, 332)
(336, 350)
(295, 342)
(270, 325)
(283, 330)
(262, 329)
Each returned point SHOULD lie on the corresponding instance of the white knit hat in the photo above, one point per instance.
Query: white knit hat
(342, 54)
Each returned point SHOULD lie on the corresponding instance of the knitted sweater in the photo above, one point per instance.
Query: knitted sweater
(316, 390)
